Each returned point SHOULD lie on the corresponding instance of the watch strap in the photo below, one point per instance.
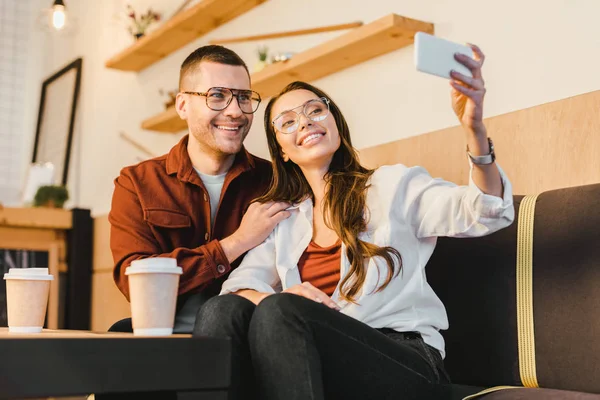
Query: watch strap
(485, 159)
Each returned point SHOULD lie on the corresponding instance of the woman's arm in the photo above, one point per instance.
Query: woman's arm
(436, 207)
(467, 101)
(486, 177)
(257, 271)
(304, 289)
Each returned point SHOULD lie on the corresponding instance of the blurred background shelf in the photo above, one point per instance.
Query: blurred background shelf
(179, 31)
(379, 37)
(167, 121)
(40, 217)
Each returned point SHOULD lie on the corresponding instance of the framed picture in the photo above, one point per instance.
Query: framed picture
(56, 119)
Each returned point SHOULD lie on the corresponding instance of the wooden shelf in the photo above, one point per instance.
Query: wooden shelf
(379, 37)
(382, 36)
(179, 31)
(167, 121)
(36, 217)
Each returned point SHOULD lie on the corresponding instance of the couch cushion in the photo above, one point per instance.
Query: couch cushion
(476, 280)
(538, 394)
(455, 392)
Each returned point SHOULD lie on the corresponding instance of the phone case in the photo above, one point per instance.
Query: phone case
(435, 56)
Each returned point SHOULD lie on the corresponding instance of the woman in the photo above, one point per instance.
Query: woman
(335, 304)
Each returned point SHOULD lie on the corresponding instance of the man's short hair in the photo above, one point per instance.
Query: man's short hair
(210, 53)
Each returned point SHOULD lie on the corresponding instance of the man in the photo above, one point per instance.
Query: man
(194, 203)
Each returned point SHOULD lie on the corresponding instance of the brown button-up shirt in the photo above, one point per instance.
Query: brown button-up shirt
(161, 208)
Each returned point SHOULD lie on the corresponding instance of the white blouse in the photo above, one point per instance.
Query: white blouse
(406, 209)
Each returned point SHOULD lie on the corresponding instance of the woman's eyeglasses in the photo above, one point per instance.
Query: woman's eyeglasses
(315, 110)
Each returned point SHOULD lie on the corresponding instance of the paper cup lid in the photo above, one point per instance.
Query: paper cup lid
(153, 270)
(155, 262)
(156, 265)
(31, 274)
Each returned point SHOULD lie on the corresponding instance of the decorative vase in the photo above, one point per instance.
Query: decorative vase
(50, 204)
(260, 65)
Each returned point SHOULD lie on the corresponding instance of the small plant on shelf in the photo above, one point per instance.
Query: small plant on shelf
(141, 22)
(51, 196)
(263, 54)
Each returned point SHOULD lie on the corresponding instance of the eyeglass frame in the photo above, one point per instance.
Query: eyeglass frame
(205, 95)
(323, 99)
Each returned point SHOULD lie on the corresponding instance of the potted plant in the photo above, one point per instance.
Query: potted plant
(263, 53)
(51, 196)
(141, 22)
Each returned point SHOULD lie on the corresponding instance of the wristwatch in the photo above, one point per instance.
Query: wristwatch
(486, 159)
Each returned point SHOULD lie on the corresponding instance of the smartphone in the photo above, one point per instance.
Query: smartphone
(435, 56)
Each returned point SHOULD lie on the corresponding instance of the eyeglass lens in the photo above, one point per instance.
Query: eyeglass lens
(315, 110)
(218, 99)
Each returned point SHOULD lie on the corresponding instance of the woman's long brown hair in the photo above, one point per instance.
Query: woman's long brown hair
(345, 199)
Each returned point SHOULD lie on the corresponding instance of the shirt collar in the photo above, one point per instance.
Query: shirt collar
(303, 206)
(179, 162)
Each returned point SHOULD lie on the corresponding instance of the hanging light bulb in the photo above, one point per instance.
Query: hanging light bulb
(58, 15)
(57, 20)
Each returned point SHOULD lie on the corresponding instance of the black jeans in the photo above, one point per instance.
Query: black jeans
(290, 347)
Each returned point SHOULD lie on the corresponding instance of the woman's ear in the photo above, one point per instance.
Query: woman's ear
(285, 157)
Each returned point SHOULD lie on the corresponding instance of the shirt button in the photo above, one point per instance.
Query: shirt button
(221, 268)
(206, 236)
(205, 197)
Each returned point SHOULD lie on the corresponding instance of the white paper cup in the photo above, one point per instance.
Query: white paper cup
(153, 286)
(27, 291)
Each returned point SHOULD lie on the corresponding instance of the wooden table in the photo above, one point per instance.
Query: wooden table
(69, 363)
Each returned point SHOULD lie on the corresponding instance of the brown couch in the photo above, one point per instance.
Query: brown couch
(477, 281)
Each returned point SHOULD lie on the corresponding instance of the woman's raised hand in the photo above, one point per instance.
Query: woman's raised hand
(468, 93)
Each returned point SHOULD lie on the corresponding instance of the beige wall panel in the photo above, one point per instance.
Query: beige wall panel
(541, 148)
(103, 260)
(108, 304)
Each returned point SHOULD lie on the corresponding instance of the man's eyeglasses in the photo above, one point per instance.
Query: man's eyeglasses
(219, 98)
(315, 110)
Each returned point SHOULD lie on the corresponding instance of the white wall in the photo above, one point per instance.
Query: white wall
(537, 51)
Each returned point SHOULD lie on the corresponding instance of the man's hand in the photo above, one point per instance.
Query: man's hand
(258, 223)
(307, 290)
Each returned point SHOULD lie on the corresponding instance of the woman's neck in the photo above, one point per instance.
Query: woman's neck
(316, 179)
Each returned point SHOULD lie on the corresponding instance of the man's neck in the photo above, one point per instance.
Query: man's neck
(209, 163)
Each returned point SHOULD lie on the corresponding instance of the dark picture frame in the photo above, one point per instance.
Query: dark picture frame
(49, 135)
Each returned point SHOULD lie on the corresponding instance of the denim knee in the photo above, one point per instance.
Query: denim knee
(274, 315)
(221, 314)
(279, 305)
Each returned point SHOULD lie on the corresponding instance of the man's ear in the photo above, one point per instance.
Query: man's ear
(181, 105)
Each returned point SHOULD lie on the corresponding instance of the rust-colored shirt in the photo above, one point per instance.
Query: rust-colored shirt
(321, 266)
(160, 207)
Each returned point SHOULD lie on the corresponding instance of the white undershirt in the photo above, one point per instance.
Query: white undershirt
(214, 185)
(185, 318)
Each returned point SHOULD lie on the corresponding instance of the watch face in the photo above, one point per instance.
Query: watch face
(492, 153)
